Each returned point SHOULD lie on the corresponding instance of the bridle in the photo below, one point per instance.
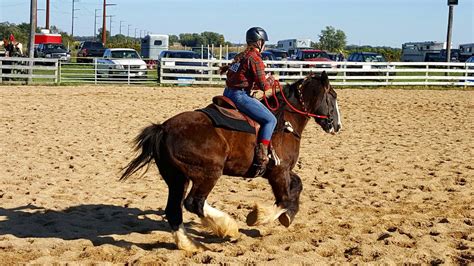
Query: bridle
(277, 85)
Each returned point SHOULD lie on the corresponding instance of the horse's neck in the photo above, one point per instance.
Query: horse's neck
(298, 121)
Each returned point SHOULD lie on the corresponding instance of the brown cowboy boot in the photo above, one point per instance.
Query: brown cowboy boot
(261, 157)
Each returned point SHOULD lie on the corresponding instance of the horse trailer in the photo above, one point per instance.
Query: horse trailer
(292, 45)
(153, 44)
(416, 51)
(466, 50)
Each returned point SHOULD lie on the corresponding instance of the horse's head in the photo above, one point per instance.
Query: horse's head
(321, 100)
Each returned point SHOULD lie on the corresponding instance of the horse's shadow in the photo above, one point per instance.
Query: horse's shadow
(93, 222)
(96, 223)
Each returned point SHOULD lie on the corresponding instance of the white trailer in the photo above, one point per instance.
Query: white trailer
(153, 44)
(416, 51)
(292, 45)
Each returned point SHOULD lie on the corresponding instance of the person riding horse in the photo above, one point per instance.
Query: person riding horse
(246, 71)
(12, 47)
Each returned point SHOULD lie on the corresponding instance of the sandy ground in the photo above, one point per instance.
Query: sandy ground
(396, 185)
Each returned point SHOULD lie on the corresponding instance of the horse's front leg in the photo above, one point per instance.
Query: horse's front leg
(293, 204)
(286, 187)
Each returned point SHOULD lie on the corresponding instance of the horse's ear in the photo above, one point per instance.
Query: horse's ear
(324, 79)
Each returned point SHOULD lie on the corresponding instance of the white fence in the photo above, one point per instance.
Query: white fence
(197, 71)
(206, 72)
(27, 70)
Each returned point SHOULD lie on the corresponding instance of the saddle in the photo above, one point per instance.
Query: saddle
(224, 113)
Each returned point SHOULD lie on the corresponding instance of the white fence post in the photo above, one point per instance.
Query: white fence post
(59, 72)
(1, 71)
(56, 74)
(128, 75)
(465, 74)
(95, 71)
(426, 74)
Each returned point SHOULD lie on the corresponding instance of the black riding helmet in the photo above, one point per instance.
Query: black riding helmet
(256, 33)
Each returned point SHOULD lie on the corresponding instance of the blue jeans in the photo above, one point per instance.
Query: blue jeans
(255, 110)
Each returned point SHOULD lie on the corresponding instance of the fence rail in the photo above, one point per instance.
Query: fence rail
(28, 70)
(206, 72)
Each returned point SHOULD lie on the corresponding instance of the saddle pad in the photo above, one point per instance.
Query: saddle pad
(219, 120)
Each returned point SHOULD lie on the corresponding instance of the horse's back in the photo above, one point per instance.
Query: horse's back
(192, 139)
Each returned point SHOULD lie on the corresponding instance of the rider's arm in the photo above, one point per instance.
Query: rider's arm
(258, 69)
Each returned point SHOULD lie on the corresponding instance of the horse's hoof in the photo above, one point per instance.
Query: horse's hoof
(252, 217)
(285, 219)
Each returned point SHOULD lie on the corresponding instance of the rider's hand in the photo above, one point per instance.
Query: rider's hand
(270, 79)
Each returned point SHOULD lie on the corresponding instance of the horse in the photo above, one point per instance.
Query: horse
(188, 148)
(13, 49)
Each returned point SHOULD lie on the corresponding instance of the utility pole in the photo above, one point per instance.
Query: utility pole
(104, 16)
(47, 14)
(136, 32)
(128, 30)
(31, 45)
(95, 22)
(120, 31)
(73, 10)
(110, 25)
(451, 4)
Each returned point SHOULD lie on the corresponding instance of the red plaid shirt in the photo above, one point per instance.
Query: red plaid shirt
(248, 72)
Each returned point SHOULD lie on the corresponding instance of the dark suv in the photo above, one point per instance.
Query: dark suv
(278, 53)
(52, 50)
(89, 49)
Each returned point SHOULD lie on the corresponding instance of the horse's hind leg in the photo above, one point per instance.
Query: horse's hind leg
(218, 221)
(177, 186)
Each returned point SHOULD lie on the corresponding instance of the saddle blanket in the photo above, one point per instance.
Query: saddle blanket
(220, 120)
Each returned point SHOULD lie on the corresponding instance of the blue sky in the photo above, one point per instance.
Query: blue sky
(371, 22)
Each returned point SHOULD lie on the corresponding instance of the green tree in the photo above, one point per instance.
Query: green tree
(191, 39)
(99, 34)
(332, 40)
(173, 39)
(21, 31)
(213, 38)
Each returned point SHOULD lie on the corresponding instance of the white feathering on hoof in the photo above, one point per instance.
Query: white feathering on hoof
(263, 215)
(219, 222)
(186, 243)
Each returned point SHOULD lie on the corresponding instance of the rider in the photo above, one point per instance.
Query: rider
(246, 71)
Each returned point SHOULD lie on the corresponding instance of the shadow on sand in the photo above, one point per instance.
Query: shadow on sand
(93, 222)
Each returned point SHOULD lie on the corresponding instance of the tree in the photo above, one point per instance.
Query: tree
(173, 39)
(205, 38)
(20, 31)
(332, 40)
(213, 38)
(191, 39)
(107, 34)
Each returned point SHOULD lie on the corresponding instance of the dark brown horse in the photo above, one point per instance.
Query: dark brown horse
(187, 147)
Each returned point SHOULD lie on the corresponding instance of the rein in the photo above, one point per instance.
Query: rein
(276, 85)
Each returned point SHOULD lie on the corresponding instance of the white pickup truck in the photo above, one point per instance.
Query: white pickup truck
(121, 63)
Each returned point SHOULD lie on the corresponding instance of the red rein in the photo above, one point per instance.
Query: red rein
(276, 84)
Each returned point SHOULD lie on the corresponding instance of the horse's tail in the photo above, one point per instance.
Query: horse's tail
(148, 141)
